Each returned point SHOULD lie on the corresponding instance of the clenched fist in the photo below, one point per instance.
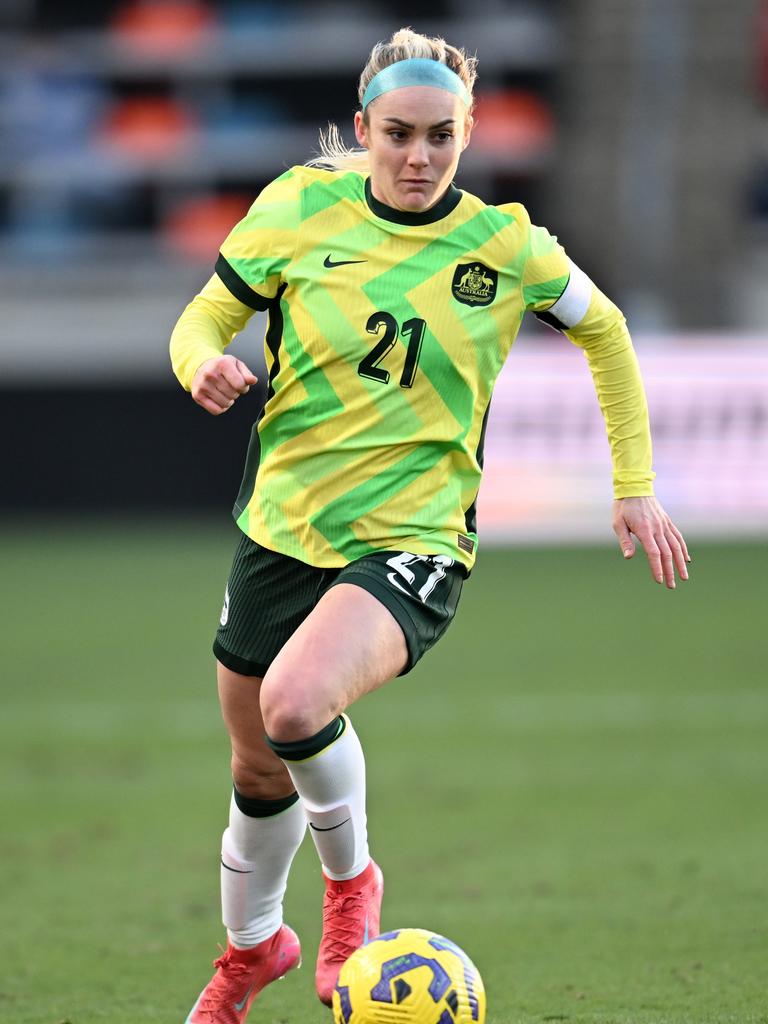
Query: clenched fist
(219, 381)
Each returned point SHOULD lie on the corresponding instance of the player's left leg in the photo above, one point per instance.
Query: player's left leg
(349, 645)
(360, 635)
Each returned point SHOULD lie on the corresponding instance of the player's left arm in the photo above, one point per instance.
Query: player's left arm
(591, 321)
(663, 543)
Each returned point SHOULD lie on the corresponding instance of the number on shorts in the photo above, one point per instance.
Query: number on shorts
(401, 567)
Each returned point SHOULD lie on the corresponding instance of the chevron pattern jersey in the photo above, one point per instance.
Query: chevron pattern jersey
(386, 332)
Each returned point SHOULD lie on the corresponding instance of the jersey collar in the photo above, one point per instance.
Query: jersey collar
(447, 204)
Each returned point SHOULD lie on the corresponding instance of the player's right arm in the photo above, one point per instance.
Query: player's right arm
(204, 329)
(248, 277)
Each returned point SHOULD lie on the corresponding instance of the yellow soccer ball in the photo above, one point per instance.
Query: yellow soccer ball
(409, 976)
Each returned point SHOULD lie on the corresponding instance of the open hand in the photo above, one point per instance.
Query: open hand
(662, 541)
(219, 381)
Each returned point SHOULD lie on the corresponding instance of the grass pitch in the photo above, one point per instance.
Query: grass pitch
(573, 785)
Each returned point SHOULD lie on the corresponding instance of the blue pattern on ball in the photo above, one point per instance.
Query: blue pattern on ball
(382, 990)
(441, 943)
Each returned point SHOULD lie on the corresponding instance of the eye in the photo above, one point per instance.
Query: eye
(443, 136)
(396, 134)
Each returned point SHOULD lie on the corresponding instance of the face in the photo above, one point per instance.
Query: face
(414, 139)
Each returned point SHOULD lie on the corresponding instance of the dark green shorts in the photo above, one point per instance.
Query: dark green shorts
(269, 595)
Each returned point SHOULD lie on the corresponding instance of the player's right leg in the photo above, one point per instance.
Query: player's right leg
(266, 826)
(268, 595)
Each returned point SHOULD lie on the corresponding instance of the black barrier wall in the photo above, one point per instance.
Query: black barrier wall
(120, 448)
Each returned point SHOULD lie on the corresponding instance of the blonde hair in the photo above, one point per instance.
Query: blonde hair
(404, 44)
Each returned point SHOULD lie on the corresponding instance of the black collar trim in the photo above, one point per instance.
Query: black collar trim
(446, 205)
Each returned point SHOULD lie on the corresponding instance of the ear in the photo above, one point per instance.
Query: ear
(361, 130)
(469, 124)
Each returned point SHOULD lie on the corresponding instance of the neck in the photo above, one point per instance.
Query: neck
(447, 202)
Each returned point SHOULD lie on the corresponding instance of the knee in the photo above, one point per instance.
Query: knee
(294, 711)
(287, 718)
(261, 781)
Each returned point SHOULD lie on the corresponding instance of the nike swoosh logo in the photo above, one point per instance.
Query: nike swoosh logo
(395, 583)
(328, 262)
(236, 870)
(318, 829)
(241, 1005)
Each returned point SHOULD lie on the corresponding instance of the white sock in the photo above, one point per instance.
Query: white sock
(256, 855)
(331, 785)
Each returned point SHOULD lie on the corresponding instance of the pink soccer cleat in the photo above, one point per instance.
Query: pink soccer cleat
(351, 914)
(241, 974)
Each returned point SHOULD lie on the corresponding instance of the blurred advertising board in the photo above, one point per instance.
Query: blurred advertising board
(547, 462)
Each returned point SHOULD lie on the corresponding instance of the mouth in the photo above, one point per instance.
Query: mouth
(416, 181)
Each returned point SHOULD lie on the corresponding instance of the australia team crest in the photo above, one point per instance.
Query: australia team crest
(475, 284)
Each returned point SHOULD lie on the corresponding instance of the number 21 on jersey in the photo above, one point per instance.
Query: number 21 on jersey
(412, 329)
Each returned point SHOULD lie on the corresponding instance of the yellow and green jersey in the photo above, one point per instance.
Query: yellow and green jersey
(386, 332)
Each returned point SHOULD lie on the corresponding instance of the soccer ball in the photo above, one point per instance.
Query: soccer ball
(409, 976)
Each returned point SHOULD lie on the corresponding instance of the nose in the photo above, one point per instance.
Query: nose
(417, 154)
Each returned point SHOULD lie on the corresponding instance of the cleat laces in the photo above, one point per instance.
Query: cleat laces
(227, 986)
(342, 913)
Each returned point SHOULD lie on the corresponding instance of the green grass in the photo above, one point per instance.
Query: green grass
(573, 785)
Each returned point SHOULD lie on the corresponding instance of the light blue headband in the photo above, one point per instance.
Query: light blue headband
(416, 71)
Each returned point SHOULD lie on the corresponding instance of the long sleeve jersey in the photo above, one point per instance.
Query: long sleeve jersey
(386, 332)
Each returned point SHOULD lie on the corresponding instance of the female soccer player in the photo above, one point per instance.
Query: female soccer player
(393, 299)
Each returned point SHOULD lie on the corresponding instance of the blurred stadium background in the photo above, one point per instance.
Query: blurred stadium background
(132, 135)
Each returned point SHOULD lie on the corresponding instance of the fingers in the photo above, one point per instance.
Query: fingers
(235, 379)
(678, 549)
(667, 562)
(626, 543)
(248, 377)
(219, 382)
(214, 397)
(662, 542)
(680, 539)
(214, 407)
(664, 552)
(653, 554)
